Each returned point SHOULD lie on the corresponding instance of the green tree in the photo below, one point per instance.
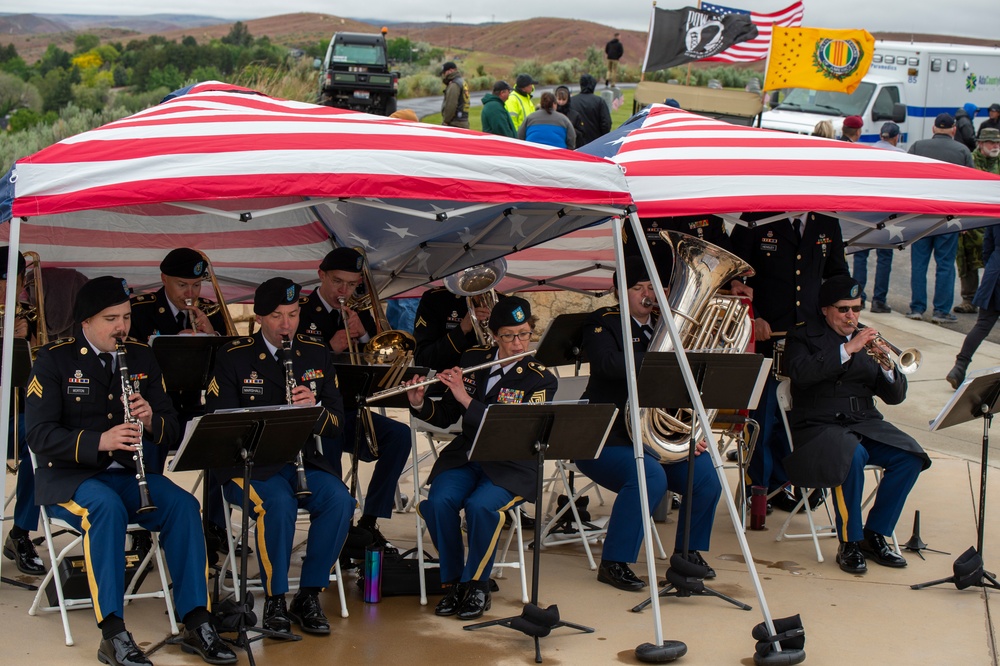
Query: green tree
(16, 94)
(121, 75)
(169, 77)
(53, 58)
(239, 35)
(594, 62)
(85, 42)
(56, 88)
(22, 119)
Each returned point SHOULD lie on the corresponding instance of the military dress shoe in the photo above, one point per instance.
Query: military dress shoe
(875, 546)
(306, 612)
(695, 557)
(378, 539)
(850, 558)
(22, 551)
(452, 601)
(204, 640)
(477, 601)
(276, 615)
(618, 574)
(121, 650)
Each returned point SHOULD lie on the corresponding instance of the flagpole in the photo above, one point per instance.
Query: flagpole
(649, 42)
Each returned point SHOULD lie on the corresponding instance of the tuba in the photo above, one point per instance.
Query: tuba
(477, 284)
(705, 320)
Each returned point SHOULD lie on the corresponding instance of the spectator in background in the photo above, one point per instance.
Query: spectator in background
(455, 106)
(519, 104)
(986, 157)
(851, 131)
(614, 51)
(593, 110)
(495, 118)
(564, 105)
(965, 130)
(547, 126)
(987, 299)
(405, 114)
(945, 246)
(824, 128)
(888, 140)
(993, 122)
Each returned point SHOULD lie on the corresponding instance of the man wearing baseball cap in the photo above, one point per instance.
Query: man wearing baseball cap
(519, 104)
(455, 106)
(941, 146)
(86, 473)
(993, 122)
(495, 118)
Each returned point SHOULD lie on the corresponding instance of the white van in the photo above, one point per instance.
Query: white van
(908, 83)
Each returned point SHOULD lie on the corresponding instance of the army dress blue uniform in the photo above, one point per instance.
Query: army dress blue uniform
(789, 270)
(437, 329)
(71, 400)
(248, 375)
(25, 509)
(484, 490)
(615, 468)
(393, 438)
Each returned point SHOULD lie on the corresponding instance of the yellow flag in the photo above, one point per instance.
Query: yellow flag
(818, 59)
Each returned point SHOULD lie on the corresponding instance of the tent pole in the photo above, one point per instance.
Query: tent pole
(10, 300)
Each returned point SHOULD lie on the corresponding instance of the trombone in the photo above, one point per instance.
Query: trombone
(36, 314)
(220, 301)
(478, 285)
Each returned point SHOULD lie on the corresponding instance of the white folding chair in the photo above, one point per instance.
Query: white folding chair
(56, 558)
(829, 529)
(231, 566)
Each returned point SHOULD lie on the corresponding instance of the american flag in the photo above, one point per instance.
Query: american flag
(755, 49)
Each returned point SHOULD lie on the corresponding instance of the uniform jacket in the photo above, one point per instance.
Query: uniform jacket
(988, 294)
(151, 315)
(602, 341)
(789, 270)
(527, 382)
(832, 405)
(495, 118)
(247, 375)
(944, 148)
(315, 320)
(70, 402)
(455, 105)
(440, 340)
(593, 110)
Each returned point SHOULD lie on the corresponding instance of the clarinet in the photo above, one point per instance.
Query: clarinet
(145, 501)
(301, 486)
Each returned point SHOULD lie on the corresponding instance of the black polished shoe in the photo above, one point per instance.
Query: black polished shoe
(875, 546)
(850, 558)
(276, 615)
(121, 650)
(695, 557)
(22, 551)
(216, 539)
(204, 640)
(452, 601)
(477, 601)
(306, 612)
(618, 574)
(378, 539)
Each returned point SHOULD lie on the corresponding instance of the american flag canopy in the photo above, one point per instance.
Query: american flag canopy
(267, 187)
(755, 49)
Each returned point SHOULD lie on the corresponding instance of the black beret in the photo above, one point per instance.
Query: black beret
(838, 288)
(635, 272)
(183, 263)
(276, 291)
(343, 259)
(509, 311)
(97, 294)
(21, 265)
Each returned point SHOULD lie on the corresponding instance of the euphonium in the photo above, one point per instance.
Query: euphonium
(478, 285)
(705, 321)
(145, 501)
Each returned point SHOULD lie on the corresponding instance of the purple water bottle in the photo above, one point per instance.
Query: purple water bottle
(373, 574)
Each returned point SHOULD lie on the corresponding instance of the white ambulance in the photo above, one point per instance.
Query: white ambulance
(908, 83)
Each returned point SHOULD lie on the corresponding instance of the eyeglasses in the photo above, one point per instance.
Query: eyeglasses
(844, 309)
(523, 336)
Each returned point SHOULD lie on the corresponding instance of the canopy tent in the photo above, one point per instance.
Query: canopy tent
(267, 186)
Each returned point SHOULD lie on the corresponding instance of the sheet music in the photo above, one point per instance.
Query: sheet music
(188, 431)
(758, 388)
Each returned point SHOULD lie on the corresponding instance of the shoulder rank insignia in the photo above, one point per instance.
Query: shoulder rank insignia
(35, 388)
(420, 322)
(239, 343)
(213, 387)
(537, 397)
(310, 339)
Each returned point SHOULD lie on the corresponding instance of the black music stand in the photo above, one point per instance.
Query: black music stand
(19, 381)
(243, 438)
(186, 360)
(975, 398)
(539, 432)
(563, 341)
(725, 381)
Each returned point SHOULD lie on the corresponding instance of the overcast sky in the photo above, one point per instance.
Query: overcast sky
(971, 18)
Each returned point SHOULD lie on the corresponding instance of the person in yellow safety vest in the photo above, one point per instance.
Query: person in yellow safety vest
(519, 104)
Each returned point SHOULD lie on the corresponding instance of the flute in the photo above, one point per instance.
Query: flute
(403, 388)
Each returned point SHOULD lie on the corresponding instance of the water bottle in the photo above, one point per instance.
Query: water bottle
(373, 574)
(758, 507)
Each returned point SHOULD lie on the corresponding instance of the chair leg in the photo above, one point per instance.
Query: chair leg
(55, 560)
(340, 588)
(167, 597)
(520, 555)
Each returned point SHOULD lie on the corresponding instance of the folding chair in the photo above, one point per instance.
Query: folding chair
(829, 529)
(56, 558)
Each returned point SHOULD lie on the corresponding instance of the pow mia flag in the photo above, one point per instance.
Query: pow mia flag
(682, 35)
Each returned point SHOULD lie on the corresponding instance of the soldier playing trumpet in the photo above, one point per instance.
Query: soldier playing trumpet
(177, 307)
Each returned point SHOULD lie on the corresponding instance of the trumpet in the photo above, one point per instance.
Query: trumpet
(301, 485)
(145, 501)
(908, 360)
(403, 388)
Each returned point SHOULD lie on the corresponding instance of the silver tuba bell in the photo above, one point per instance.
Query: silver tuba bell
(706, 321)
(477, 284)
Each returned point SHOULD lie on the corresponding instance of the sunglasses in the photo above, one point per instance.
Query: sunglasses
(844, 309)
